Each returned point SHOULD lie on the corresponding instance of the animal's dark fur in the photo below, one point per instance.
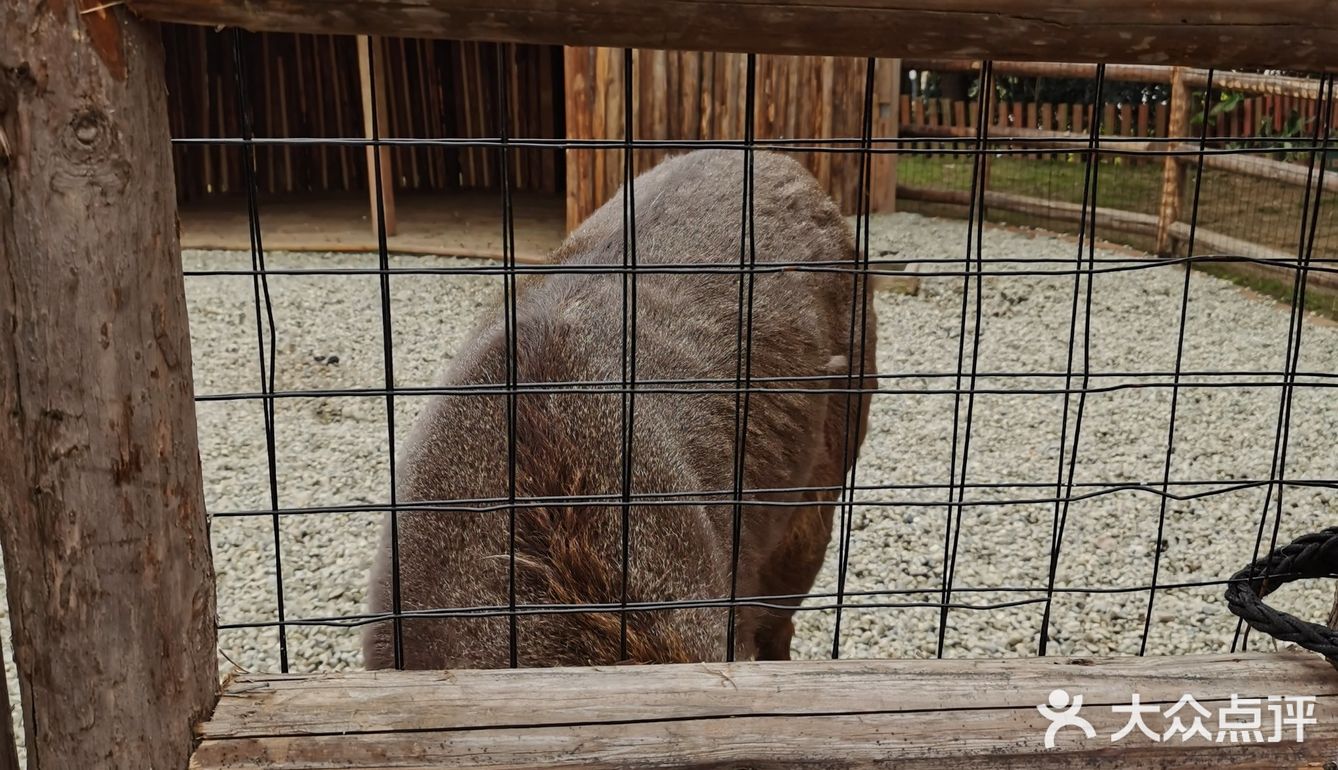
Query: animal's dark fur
(688, 209)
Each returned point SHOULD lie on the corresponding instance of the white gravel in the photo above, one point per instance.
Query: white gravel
(333, 451)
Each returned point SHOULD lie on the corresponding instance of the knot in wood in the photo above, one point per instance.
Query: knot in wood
(92, 131)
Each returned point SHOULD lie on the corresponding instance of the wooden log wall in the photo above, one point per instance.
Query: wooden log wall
(688, 95)
(308, 86)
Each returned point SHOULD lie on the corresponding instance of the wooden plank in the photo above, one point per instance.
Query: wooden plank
(689, 95)
(1302, 88)
(793, 97)
(548, 116)
(1115, 219)
(337, 89)
(104, 534)
(369, 51)
(1212, 242)
(1173, 175)
(1237, 33)
(825, 118)
(887, 87)
(1063, 67)
(906, 714)
(577, 67)
(1258, 167)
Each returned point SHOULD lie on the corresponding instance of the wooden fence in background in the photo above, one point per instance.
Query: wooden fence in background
(690, 95)
(302, 85)
(1169, 127)
(1254, 117)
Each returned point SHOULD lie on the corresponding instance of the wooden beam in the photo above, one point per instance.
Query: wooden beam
(1114, 219)
(1305, 88)
(1220, 33)
(971, 714)
(1261, 168)
(369, 53)
(1220, 243)
(106, 548)
(1132, 73)
(1133, 223)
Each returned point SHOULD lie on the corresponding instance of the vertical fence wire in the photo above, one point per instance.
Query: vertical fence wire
(387, 347)
(859, 283)
(511, 320)
(1087, 239)
(629, 341)
(1310, 211)
(958, 468)
(1181, 323)
(266, 353)
(747, 503)
(744, 348)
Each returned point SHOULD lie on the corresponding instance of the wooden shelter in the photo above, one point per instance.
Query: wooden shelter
(308, 86)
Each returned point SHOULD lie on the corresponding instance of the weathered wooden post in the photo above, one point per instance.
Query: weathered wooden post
(105, 541)
(372, 69)
(1173, 171)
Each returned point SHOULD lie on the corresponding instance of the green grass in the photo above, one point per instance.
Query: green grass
(1256, 210)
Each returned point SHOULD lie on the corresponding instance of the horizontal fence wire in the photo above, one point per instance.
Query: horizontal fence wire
(952, 500)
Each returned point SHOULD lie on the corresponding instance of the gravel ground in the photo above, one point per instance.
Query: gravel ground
(333, 452)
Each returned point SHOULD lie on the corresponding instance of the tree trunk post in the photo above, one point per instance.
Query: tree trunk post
(1173, 170)
(106, 545)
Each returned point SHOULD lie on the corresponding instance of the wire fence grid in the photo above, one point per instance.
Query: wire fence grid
(953, 500)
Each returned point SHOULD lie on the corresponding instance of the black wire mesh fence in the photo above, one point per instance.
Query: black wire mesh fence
(1050, 566)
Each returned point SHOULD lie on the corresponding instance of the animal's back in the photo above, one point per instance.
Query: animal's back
(569, 438)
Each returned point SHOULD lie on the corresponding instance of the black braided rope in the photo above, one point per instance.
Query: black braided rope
(1308, 557)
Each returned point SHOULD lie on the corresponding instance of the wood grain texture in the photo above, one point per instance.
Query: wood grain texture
(372, 69)
(906, 714)
(1242, 33)
(1173, 172)
(106, 550)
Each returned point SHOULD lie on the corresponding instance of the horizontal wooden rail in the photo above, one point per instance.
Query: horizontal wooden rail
(1184, 152)
(1131, 223)
(848, 714)
(1247, 82)
(1221, 33)
(1116, 219)
(1129, 73)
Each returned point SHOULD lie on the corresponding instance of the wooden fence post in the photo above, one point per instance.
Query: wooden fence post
(369, 53)
(886, 125)
(106, 548)
(1173, 171)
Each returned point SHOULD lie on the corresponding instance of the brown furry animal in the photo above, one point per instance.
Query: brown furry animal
(569, 329)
